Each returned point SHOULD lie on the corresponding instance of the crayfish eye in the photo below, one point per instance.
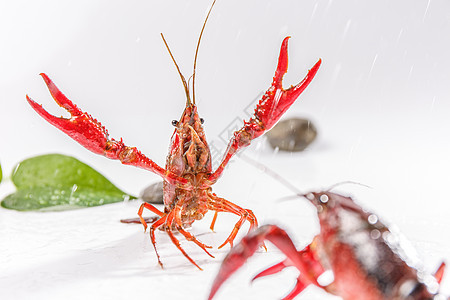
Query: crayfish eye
(174, 123)
(202, 120)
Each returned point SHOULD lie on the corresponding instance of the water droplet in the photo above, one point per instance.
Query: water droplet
(372, 219)
(323, 198)
(375, 234)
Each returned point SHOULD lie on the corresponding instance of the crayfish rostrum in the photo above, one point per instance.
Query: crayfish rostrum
(188, 174)
(366, 258)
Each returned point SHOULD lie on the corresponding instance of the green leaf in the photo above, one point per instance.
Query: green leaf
(59, 182)
(50, 198)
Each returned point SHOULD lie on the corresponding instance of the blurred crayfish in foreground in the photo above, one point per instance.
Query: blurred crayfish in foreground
(188, 174)
(366, 258)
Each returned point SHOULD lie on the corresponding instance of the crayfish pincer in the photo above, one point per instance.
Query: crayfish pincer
(365, 256)
(188, 174)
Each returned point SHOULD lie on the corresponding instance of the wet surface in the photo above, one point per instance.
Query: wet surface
(380, 102)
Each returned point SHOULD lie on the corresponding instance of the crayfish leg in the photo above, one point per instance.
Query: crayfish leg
(192, 238)
(187, 235)
(138, 221)
(244, 216)
(153, 238)
(220, 204)
(213, 222)
(152, 209)
(169, 221)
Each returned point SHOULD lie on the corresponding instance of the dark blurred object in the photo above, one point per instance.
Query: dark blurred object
(292, 135)
(153, 193)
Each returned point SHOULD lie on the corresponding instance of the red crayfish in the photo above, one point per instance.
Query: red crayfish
(365, 256)
(188, 175)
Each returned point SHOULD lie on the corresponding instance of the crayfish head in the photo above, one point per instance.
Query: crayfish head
(189, 151)
(328, 202)
(322, 200)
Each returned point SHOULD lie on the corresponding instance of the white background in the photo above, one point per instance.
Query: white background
(380, 102)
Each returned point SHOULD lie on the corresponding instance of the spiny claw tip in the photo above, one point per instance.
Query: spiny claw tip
(46, 78)
(285, 43)
(33, 103)
(49, 84)
(312, 72)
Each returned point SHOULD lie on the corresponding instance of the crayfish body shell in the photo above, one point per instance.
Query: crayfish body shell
(366, 258)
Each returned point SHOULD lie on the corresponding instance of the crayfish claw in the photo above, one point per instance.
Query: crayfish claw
(271, 270)
(41, 111)
(60, 98)
(250, 243)
(263, 246)
(273, 104)
(92, 135)
(238, 255)
(277, 100)
(298, 288)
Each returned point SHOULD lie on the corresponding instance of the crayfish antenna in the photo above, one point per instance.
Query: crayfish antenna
(347, 182)
(196, 50)
(271, 173)
(185, 85)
